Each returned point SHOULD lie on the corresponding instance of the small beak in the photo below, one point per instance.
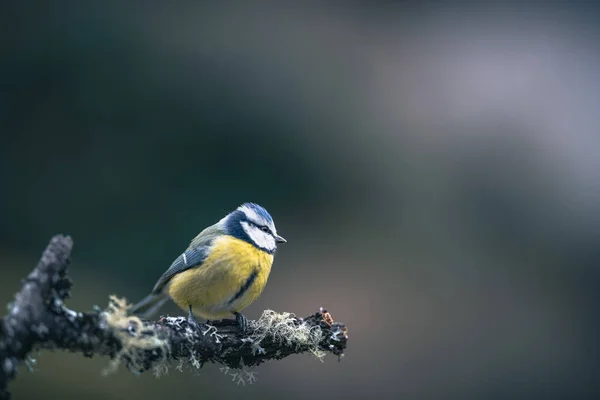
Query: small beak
(280, 239)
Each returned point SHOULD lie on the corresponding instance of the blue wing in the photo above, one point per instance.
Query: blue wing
(191, 258)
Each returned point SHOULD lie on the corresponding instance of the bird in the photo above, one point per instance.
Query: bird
(222, 271)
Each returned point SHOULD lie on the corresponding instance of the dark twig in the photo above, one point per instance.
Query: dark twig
(38, 318)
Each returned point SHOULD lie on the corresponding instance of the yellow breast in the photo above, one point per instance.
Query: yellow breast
(231, 278)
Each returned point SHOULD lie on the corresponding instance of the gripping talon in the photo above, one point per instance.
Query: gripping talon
(242, 321)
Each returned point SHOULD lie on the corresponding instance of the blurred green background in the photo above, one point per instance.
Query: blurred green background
(434, 167)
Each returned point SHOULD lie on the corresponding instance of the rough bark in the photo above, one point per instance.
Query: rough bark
(38, 318)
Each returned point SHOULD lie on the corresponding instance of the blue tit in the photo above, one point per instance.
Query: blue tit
(223, 270)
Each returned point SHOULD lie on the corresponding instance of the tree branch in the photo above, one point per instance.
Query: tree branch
(38, 318)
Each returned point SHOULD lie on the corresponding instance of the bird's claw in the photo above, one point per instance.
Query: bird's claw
(242, 321)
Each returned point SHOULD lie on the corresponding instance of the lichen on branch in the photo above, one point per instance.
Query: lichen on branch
(153, 345)
(39, 319)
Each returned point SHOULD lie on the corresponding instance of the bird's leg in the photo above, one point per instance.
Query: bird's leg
(191, 319)
(242, 321)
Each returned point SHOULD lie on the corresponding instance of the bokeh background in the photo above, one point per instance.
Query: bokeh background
(434, 167)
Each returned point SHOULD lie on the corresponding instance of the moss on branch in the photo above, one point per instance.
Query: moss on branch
(38, 318)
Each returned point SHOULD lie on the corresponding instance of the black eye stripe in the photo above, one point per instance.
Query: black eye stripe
(261, 227)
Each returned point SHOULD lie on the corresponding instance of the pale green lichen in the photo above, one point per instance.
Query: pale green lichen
(286, 329)
(134, 344)
(212, 332)
(160, 369)
(241, 376)
(138, 338)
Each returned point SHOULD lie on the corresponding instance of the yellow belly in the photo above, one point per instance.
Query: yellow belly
(212, 287)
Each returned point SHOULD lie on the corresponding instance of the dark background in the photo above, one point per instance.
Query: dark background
(434, 167)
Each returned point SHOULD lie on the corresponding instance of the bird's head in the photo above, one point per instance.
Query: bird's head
(253, 224)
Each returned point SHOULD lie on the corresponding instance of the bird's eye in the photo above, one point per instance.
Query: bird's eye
(264, 229)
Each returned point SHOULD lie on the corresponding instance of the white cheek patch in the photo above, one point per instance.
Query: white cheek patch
(260, 238)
